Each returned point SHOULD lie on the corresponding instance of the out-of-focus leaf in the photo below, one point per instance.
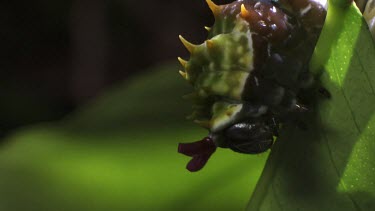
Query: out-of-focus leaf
(331, 165)
(120, 153)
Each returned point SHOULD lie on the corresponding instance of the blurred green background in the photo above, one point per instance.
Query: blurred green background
(91, 110)
(120, 153)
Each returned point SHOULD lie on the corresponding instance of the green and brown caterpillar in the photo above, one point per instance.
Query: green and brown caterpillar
(248, 73)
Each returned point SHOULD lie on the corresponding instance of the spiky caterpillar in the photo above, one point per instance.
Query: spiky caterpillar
(248, 73)
(369, 15)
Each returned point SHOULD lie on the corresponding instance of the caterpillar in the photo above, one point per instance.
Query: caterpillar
(247, 74)
(369, 15)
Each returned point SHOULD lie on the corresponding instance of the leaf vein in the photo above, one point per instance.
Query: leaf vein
(344, 95)
(330, 155)
(364, 71)
(276, 197)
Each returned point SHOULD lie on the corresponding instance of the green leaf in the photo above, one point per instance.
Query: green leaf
(120, 153)
(331, 165)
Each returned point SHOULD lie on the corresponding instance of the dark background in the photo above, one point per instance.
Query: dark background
(58, 55)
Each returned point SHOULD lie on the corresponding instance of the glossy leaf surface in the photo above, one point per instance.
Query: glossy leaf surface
(331, 165)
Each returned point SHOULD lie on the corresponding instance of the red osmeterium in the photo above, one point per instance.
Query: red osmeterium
(200, 151)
